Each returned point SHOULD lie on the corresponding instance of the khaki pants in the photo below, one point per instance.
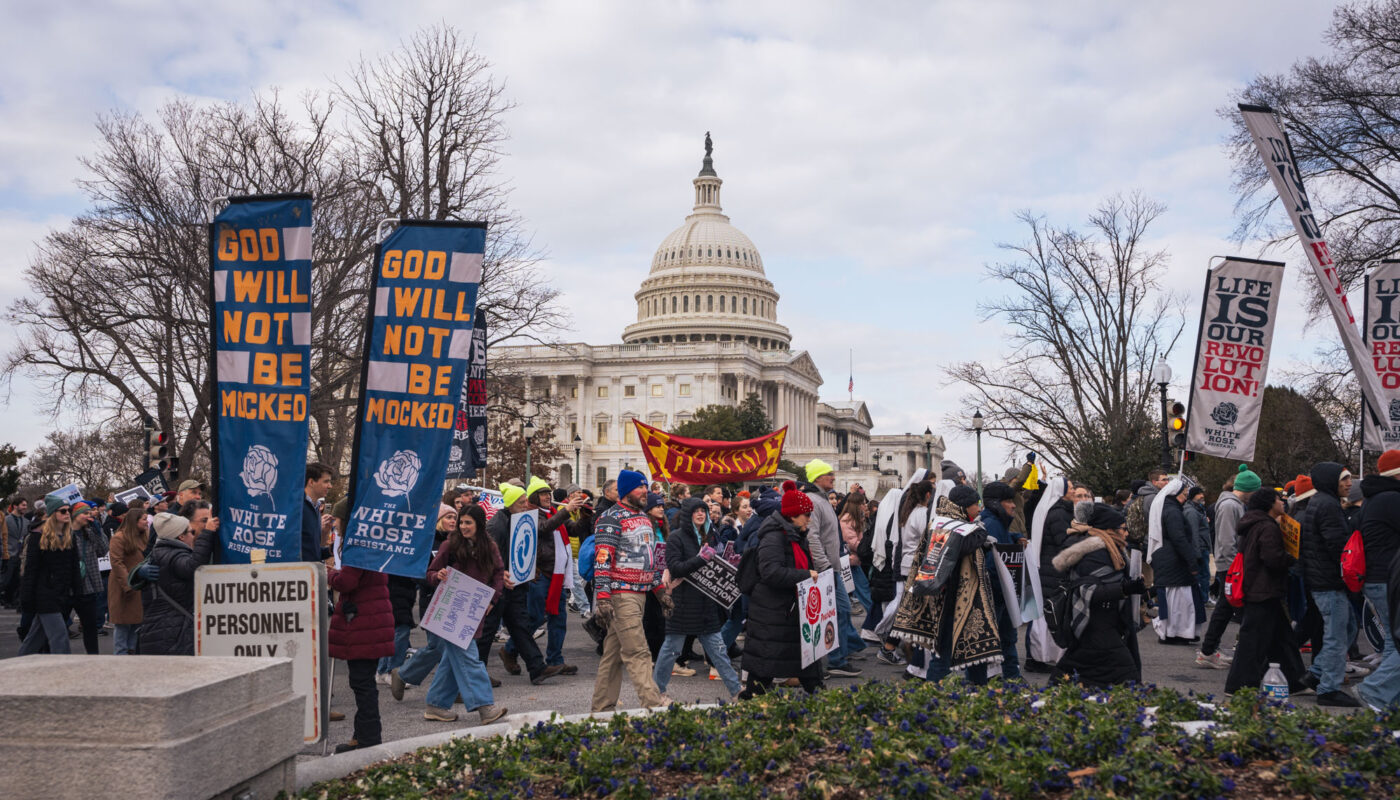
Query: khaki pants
(625, 648)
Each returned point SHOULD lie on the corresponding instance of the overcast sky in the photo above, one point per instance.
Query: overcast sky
(874, 152)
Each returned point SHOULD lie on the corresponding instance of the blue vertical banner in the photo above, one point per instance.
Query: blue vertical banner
(260, 293)
(417, 342)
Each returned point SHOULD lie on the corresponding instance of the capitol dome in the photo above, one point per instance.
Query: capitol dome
(707, 282)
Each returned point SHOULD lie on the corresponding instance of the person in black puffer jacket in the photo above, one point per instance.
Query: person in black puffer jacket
(771, 645)
(1057, 522)
(1380, 533)
(1173, 558)
(1105, 651)
(694, 614)
(167, 625)
(1324, 534)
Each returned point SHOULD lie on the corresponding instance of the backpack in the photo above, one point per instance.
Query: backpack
(1234, 581)
(1137, 522)
(1058, 608)
(1354, 562)
(882, 584)
(587, 555)
(748, 570)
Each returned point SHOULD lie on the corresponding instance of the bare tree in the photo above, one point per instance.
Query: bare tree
(99, 460)
(1341, 114)
(1087, 318)
(1328, 384)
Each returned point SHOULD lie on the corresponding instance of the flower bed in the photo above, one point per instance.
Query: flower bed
(919, 740)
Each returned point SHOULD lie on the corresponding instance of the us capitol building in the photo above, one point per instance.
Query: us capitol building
(707, 332)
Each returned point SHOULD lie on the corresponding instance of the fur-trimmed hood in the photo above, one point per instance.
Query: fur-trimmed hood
(1072, 555)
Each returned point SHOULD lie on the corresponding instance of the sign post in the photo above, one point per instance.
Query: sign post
(269, 610)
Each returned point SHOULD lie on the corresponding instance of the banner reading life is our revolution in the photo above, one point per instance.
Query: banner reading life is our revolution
(1282, 167)
(260, 264)
(1381, 330)
(469, 441)
(1238, 312)
(417, 338)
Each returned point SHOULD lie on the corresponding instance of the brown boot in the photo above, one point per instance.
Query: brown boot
(546, 673)
(495, 682)
(337, 716)
(512, 664)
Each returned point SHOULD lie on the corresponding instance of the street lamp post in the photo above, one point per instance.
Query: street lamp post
(977, 428)
(1162, 375)
(528, 431)
(928, 449)
(578, 451)
(875, 464)
(855, 455)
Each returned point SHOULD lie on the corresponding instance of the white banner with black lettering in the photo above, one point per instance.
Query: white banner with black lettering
(1282, 167)
(1238, 312)
(1382, 333)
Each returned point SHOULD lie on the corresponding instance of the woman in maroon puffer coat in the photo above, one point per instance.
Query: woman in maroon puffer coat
(361, 633)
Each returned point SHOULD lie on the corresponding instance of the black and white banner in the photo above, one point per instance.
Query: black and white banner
(1232, 357)
(1382, 333)
(469, 439)
(1283, 170)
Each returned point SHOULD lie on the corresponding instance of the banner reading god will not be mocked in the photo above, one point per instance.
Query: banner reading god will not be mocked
(417, 339)
(1232, 357)
(260, 259)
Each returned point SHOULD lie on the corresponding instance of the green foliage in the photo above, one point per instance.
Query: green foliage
(9, 469)
(921, 740)
(1109, 457)
(1292, 437)
(722, 423)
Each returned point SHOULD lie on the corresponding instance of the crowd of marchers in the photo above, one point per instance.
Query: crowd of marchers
(923, 562)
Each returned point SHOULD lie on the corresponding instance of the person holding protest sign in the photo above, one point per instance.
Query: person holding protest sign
(551, 565)
(695, 614)
(470, 551)
(772, 647)
(512, 610)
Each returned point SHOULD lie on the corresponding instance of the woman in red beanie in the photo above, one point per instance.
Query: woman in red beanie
(771, 646)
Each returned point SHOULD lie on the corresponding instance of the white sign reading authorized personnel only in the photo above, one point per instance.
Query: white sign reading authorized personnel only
(270, 610)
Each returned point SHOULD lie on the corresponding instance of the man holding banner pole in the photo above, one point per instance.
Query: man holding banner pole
(513, 609)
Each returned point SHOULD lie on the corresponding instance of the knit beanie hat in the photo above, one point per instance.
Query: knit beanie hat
(628, 480)
(511, 493)
(53, 502)
(169, 526)
(654, 499)
(795, 503)
(997, 491)
(817, 468)
(1103, 516)
(1303, 487)
(444, 509)
(537, 485)
(1246, 481)
(963, 496)
(1389, 463)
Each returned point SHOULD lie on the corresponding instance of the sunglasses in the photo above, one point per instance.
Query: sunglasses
(63, 511)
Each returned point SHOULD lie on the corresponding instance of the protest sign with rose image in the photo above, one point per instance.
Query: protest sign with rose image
(398, 474)
(260, 473)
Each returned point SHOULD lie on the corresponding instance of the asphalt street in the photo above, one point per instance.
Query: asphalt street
(1164, 665)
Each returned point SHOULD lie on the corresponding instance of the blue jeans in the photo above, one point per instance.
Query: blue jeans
(416, 669)
(463, 674)
(558, 623)
(862, 589)
(391, 663)
(47, 628)
(845, 632)
(124, 640)
(715, 651)
(1382, 687)
(1338, 630)
(735, 626)
(579, 595)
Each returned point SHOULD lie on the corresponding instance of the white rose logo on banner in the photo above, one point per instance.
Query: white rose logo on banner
(1225, 414)
(260, 473)
(397, 475)
(1395, 410)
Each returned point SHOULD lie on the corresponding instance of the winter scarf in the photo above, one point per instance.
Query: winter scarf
(951, 578)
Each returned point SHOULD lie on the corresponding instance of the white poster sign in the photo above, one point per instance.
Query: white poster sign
(1282, 167)
(269, 610)
(524, 543)
(816, 612)
(70, 493)
(134, 493)
(457, 607)
(1382, 335)
(848, 579)
(1238, 312)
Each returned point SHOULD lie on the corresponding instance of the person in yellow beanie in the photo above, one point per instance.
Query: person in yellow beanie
(824, 540)
(551, 572)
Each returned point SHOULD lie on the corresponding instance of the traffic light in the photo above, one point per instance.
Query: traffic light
(171, 467)
(157, 448)
(1177, 424)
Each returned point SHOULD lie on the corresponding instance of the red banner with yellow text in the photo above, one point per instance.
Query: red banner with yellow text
(676, 459)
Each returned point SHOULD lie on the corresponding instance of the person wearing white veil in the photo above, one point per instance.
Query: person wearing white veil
(914, 528)
(1041, 651)
(1173, 564)
(877, 623)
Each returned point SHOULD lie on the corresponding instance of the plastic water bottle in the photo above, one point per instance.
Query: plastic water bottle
(1275, 686)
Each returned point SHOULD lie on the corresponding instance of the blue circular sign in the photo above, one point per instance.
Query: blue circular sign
(522, 550)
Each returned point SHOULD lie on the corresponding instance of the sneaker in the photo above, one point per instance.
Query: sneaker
(1308, 685)
(1033, 665)
(847, 671)
(512, 664)
(383, 679)
(338, 716)
(435, 714)
(1357, 669)
(104, 632)
(890, 657)
(396, 685)
(495, 682)
(546, 673)
(870, 636)
(1338, 699)
(664, 701)
(491, 713)
(1307, 648)
(1212, 661)
(351, 745)
(502, 636)
(682, 672)
(1373, 660)
(540, 631)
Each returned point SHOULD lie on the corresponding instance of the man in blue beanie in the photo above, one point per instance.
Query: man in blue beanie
(624, 571)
